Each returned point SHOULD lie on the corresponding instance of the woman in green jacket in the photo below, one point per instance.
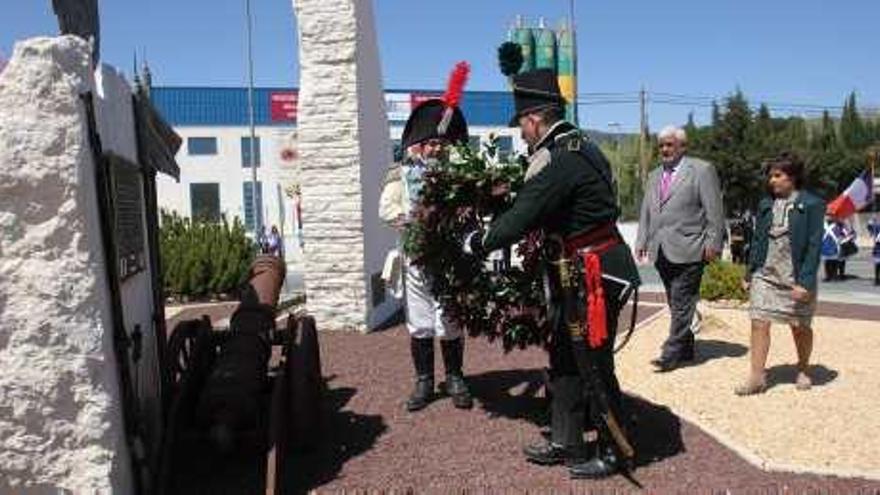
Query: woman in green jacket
(783, 266)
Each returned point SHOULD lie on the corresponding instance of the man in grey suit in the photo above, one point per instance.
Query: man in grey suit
(681, 229)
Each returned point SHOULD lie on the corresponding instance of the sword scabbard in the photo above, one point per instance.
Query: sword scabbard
(618, 435)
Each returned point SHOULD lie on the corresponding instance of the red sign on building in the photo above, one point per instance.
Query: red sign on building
(282, 105)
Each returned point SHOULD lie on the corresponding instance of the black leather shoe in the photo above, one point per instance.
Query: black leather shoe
(596, 468)
(422, 394)
(551, 454)
(456, 388)
(666, 364)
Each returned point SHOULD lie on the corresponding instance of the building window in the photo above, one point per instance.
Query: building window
(201, 145)
(505, 147)
(474, 143)
(246, 151)
(249, 204)
(205, 202)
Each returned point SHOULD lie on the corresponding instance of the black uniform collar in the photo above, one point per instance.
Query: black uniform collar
(557, 130)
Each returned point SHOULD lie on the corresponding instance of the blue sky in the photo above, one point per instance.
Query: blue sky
(781, 51)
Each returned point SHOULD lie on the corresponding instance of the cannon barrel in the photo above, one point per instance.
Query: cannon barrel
(230, 401)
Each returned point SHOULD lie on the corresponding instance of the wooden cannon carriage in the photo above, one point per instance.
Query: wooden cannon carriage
(244, 398)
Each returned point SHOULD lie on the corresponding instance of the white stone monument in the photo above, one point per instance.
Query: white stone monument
(61, 427)
(344, 152)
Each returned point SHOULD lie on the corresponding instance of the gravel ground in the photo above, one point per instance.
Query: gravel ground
(373, 445)
(832, 428)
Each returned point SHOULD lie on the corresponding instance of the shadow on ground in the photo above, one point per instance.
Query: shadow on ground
(346, 435)
(656, 431)
(709, 350)
(392, 322)
(518, 394)
(513, 394)
(787, 373)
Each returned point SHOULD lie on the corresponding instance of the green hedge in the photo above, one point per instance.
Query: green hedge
(723, 280)
(203, 260)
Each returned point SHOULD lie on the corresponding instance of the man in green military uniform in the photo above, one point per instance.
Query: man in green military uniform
(569, 192)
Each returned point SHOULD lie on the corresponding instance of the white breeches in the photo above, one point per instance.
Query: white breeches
(424, 317)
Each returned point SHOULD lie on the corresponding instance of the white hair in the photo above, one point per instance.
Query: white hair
(673, 132)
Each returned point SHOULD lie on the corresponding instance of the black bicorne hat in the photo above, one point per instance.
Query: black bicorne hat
(427, 122)
(440, 117)
(535, 90)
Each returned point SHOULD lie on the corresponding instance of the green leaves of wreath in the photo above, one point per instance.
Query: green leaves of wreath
(458, 195)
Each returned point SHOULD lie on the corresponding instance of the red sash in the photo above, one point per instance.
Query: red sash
(590, 246)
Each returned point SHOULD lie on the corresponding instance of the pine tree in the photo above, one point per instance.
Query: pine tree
(852, 130)
(764, 119)
(828, 135)
(731, 149)
(716, 114)
(762, 132)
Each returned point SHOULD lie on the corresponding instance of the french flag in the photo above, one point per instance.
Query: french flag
(858, 195)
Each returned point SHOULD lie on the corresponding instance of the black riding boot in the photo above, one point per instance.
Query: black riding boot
(453, 357)
(877, 274)
(604, 463)
(423, 360)
(566, 444)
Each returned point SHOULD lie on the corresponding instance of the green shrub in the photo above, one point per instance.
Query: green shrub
(202, 259)
(723, 280)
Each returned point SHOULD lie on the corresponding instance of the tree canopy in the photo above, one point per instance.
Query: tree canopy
(741, 138)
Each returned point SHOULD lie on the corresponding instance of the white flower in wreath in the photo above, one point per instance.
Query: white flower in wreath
(455, 156)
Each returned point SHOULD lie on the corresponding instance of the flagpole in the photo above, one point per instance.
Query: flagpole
(255, 206)
(872, 158)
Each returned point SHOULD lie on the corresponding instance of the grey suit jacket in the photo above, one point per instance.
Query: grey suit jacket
(690, 220)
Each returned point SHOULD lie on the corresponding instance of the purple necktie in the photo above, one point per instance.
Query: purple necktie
(665, 183)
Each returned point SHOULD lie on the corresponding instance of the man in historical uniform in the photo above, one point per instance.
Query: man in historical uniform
(569, 192)
(430, 129)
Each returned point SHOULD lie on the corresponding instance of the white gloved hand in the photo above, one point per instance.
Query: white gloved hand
(473, 243)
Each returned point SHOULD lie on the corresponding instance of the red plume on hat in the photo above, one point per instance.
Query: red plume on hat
(457, 80)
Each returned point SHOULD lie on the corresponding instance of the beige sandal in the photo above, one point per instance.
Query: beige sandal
(803, 381)
(751, 387)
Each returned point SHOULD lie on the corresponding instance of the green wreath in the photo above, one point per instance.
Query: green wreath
(457, 196)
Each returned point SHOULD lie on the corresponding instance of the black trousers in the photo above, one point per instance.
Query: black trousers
(682, 284)
(835, 269)
(570, 358)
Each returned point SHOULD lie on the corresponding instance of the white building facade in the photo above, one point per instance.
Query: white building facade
(215, 174)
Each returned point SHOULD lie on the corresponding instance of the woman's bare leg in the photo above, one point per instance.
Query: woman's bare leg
(803, 341)
(760, 347)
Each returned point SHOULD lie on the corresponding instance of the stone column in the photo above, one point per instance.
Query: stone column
(60, 415)
(344, 150)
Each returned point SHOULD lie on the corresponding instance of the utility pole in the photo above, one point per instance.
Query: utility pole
(616, 129)
(644, 153)
(255, 207)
